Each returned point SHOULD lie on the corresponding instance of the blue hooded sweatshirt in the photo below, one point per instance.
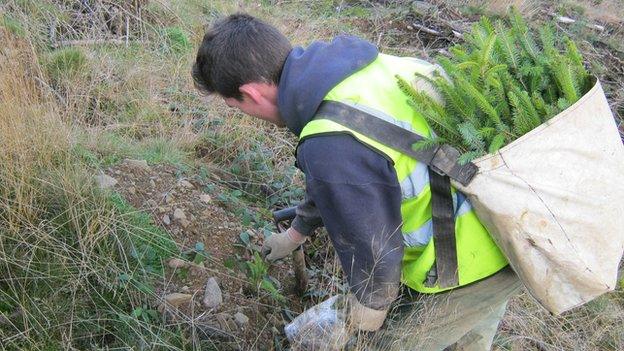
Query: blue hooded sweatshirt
(350, 188)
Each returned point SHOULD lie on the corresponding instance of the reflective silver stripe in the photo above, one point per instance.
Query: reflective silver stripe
(460, 200)
(422, 235)
(415, 182)
(419, 237)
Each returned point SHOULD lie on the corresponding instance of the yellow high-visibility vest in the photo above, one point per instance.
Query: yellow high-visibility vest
(374, 90)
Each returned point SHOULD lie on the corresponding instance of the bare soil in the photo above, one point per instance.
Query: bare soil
(160, 190)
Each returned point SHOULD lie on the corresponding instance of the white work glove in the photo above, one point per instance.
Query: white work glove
(280, 245)
(365, 318)
(330, 324)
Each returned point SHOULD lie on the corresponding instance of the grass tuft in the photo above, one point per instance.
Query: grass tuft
(65, 62)
(76, 263)
(177, 40)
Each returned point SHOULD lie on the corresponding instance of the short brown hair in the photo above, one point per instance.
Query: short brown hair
(237, 50)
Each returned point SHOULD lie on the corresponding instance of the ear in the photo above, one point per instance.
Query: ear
(251, 91)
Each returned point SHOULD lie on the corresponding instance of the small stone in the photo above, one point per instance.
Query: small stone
(166, 219)
(151, 203)
(205, 198)
(184, 222)
(168, 198)
(138, 164)
(105, 181)
(162, 210)
(241, 319)
(152, 183)
(131, 190)
(175, 300)
(178, 214)
(177, 263)
(212, 295)
(185, 289)
(186, 184)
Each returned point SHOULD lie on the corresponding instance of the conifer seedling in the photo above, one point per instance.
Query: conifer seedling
(504, 81)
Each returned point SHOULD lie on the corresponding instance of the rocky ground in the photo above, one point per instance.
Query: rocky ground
(215, 296)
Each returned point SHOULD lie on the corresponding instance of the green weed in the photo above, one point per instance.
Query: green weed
(257, 272)
(177, 40)
(251, 166)
(66, 62)
(151, 244)
(13, 25)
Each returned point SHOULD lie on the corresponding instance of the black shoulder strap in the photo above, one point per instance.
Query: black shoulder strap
(442, 159)
(443, 221)
(442, 162)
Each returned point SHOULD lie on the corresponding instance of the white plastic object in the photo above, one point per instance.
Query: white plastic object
(321, 327)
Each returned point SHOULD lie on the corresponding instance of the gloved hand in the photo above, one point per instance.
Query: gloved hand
(330, 324)
(365, 318)
(282, 244)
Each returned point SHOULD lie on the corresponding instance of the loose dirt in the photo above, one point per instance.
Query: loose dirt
(161, 191)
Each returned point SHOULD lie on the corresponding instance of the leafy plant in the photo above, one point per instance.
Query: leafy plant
(145, 314)
(500, 84)
(257, 271)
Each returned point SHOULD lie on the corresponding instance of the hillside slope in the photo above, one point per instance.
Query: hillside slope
(123, 191)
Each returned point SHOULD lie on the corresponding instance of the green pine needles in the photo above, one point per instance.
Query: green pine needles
(501, 83)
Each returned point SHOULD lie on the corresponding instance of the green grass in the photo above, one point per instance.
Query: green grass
(111, 148)
(177, 40)
(92, 257)
(13, 25)
(143, 233)
(65, 62)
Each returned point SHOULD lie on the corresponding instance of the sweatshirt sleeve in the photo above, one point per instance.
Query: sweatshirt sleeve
(358, 197)
(308, 217)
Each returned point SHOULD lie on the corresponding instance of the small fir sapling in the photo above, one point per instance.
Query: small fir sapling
(500, 84)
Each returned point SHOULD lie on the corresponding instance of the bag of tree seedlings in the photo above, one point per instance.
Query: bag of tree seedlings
(522, 107)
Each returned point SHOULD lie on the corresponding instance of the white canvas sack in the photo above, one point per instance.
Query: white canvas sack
(554, 202)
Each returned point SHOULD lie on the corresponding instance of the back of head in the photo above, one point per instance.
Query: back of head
(239, 49)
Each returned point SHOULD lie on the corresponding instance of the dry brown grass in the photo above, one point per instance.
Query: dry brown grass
(498, 7)
(605, 11)
(594, 326)
(32, 135)
(62, 243)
